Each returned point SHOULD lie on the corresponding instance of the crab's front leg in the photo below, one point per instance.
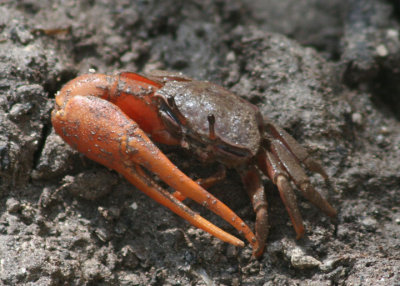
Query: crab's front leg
(281, 161)
(255, 189)
(87, 119)
(291, 155)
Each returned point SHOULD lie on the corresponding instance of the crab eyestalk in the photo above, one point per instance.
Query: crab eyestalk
(211, 124)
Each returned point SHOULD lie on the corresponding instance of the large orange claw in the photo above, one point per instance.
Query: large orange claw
(106, 117)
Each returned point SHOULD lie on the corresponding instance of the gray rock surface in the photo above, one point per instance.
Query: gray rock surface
(328, 75)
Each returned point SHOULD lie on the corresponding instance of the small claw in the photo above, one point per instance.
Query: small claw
(216, 178)
(206, 183)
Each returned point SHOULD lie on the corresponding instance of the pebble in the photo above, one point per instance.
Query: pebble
(134, 206)
(357, 118)
(301, 261)
(297, 257)
(382, 51)
(13, 205)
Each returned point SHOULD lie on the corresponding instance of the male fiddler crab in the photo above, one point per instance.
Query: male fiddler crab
(107, 119)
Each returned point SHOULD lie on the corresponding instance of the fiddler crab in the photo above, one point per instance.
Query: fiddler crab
(107, 119)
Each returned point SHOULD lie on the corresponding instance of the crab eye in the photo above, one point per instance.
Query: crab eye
(168, 116)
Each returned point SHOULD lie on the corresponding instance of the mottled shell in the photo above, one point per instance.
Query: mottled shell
(236, 120)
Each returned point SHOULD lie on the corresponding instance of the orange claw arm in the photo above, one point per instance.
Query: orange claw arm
(98, 116)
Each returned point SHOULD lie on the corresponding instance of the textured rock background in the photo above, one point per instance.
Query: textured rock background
(327, 73)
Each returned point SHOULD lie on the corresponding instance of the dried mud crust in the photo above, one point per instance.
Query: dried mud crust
(66, 221)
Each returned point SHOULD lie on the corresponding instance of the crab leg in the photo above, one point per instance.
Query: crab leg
(254, 187)
(104, 133)
(295, 148)
(270, 166)
(206, 182)
(300, 178)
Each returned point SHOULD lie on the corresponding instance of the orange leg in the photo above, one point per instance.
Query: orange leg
(101, 131)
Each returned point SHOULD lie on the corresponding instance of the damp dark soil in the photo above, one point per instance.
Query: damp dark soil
(326, 71)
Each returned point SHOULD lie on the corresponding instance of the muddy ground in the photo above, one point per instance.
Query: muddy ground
(326, 71)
